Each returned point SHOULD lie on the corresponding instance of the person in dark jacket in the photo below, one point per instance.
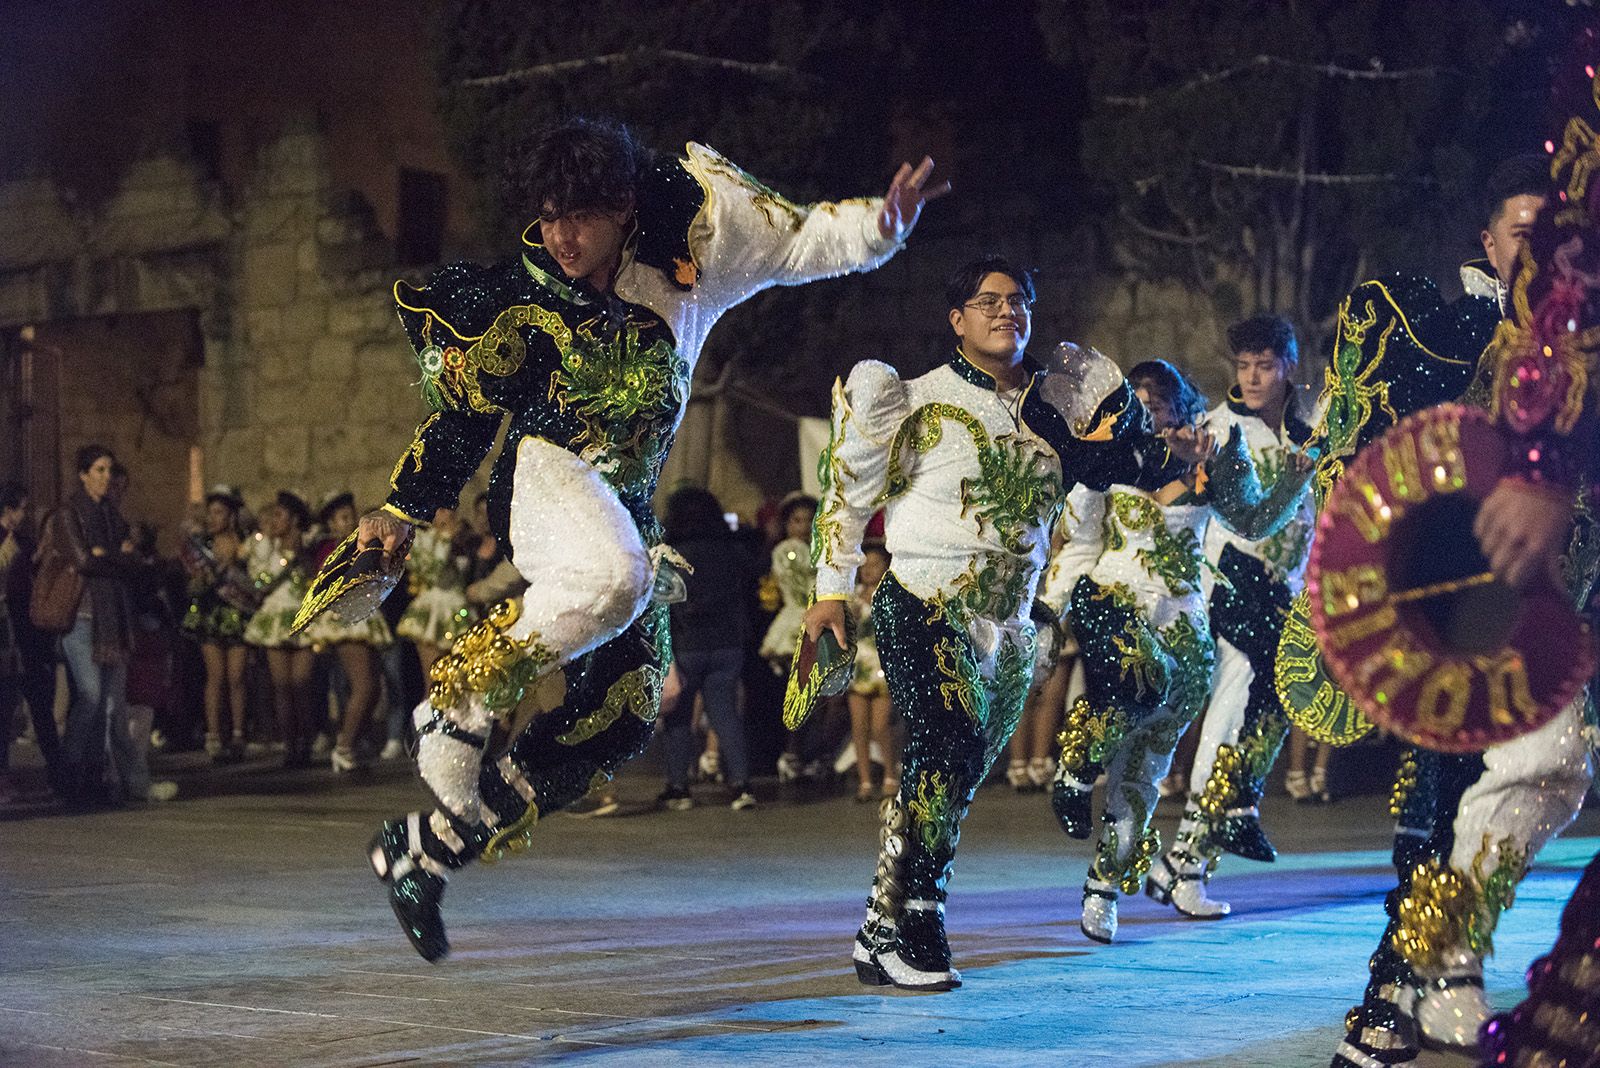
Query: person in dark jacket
(710, 630)
(27, 655)
(92, 533)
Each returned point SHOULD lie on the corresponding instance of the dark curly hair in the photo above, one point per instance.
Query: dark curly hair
(577, 164)
(1266, 333)
(1166, 383)
(1524, 175)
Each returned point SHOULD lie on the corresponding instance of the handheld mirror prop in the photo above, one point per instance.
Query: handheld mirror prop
(352, 583)
(1413, 626)
(820, 669)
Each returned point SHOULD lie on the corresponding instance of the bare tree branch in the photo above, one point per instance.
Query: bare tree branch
(1304, 177)
(1262, 62)
(1156, 234)
(769, 71)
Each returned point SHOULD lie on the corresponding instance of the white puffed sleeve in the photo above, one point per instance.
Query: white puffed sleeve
(1080, 380)
(868, 409)
(748, 237)
(1082, 530)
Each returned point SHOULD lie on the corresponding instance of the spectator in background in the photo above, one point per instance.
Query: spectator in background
(710, 629)
(153, 618)
(90, 532)
(795, 574)
(280, 568)
(354, 645)
(218, 613)
(27, 668)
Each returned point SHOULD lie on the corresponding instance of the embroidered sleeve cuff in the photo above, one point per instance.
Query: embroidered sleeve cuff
(879, 246)
(835, 585)
(400, 513)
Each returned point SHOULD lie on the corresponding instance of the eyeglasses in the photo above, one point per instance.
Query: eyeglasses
(990, 304)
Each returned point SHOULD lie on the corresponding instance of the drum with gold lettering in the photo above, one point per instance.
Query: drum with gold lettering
(1410, 620)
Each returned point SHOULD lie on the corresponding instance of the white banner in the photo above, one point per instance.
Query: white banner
(813, 438)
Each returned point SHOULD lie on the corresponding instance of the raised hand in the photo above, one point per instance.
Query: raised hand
(1191, 444)
(902, 204)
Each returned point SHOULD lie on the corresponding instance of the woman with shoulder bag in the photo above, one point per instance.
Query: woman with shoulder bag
(88, 531)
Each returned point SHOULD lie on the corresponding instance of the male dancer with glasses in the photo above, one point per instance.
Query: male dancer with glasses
(971, 463)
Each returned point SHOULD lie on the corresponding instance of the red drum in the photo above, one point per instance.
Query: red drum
(1411, 622)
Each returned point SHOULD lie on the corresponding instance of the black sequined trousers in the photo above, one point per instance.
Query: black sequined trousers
(1145, 688)
(948, 747)
(605, 719)
(596, 729)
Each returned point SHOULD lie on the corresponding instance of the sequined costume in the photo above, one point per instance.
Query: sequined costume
(1466, 825)
(1244, 724)
(1129, 580)
(792, 567)
(438, 613)
(212, 617)
(595, 385)
(279, 572)
(1544, 388)
(970, 483)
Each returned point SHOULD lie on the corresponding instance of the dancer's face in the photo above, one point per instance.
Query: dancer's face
(1263, 378)
(1160, 410)
(995, 323)
(219, 517)
(1508, 232)
(585, 243)
(798, 525)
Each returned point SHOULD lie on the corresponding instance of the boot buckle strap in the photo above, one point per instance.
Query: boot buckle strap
(439, 724)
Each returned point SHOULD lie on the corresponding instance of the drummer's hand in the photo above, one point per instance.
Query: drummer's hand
(385, 529)
(827, 615)
(1523, 529)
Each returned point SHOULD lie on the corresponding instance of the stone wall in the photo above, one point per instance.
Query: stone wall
(305, 382)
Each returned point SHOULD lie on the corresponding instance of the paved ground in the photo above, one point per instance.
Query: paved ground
(243, 929)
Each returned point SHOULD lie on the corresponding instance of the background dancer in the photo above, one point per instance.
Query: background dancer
(280, 570)
(1139, 611)
(215, 557)
(354, 647)
(1244, 720)
(588, 340)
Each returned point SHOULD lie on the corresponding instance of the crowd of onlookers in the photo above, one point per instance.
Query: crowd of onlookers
(117, 651)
